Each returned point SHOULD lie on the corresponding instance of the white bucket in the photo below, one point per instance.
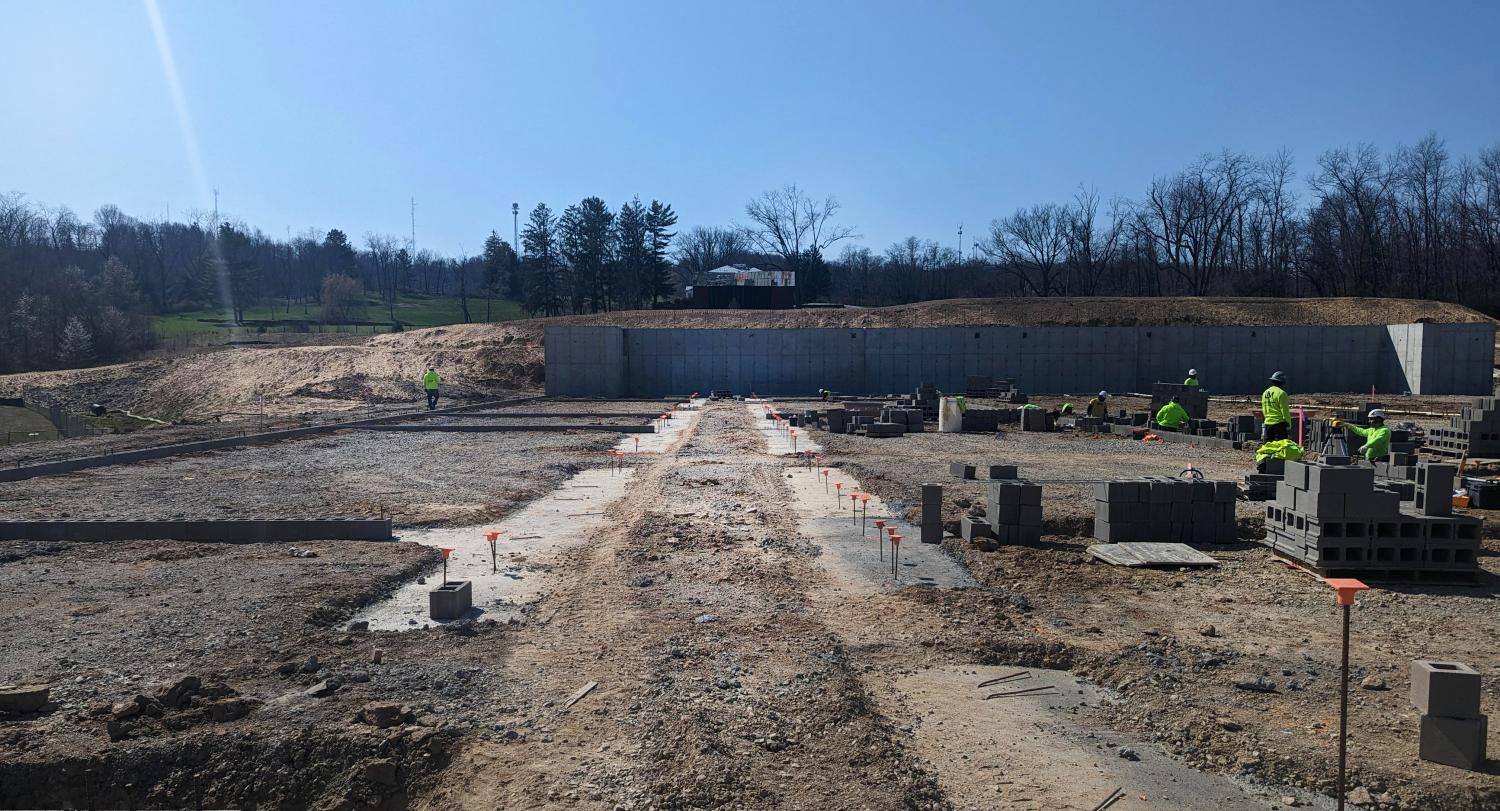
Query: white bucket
(950, 418)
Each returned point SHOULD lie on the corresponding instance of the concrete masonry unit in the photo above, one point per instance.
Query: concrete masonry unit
(617, 362)
(226, 531)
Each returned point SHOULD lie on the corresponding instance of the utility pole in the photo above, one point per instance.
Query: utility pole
(413, 230)
(515, 228)
(960, 241)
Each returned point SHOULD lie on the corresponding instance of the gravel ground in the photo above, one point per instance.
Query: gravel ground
(423, 478)
(1176, 643)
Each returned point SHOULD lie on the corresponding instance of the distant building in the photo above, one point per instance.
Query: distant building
(742, 287)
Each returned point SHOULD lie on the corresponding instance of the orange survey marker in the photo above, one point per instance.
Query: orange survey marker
(490, 535)
(446, 552)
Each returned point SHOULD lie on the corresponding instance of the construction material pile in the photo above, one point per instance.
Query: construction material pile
(1334, 518)
(1475, 431)
(1164, 509)
(994, 388)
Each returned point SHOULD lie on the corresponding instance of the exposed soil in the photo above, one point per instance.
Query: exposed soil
(733, 668)
(1176, 643)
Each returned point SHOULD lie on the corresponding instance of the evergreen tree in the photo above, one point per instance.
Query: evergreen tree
(587, 240)
(340, 253)
(659, 218)
(545, 288)
(496, 261)
(632, 255)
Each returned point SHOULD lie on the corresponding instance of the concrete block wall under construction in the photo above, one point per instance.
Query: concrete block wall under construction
(620, 362)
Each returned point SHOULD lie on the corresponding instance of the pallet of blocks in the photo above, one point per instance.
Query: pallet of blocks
(1165, 509)
(1333, 519)
(1475, 431)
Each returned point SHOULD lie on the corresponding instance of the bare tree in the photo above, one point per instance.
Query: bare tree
(1030, 244)
(795, 229)
(1090, 251)
(702, 249)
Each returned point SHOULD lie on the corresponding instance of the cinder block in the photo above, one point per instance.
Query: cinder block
(1449, 689)
(1435, 501)
(1031, 494)
(1006, 514)
(974, 528)
(1321, 504)
(1226, 492)
(961, 470)
(451, 600)
(1296, 474)
(1031, 515)
(1003, 471)
(1030, 535)
(1117, 491)
(1005, 493)
(1335, 479)
(1458, 742)
(1286, 495)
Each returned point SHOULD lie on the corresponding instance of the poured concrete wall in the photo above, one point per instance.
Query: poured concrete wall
(618, 362)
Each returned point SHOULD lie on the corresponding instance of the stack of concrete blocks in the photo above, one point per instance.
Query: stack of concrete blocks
(1165, 509)
(1035, 419)
(988, 386)
(1201, 427)
(1476, 430)
(836, 420)
(1453, 730)
(1398, 465)
(982, 420)
(927, 399)
(1334, 518)
(882, 430)
(1014, 510)
(932, 513)
(909, 418)
(1240, 428)
(1262, 486)
(1193, 398)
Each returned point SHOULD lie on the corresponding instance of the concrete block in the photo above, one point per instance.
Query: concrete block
(451, 600)
(1031, 515)
(1286, 495)
(1448, 689)
(1031, 494)
(1335, 479)
(1437, 502)
(1458, 742)
(1030, 534)
(971, 529)
(1005, 493)
(1118, 491)
(1296, 474)
(1319, 503)
(1003, 471)
(961, 470)
(1226, 492)
(1008, 514)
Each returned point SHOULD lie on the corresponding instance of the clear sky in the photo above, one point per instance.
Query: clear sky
(917, 115)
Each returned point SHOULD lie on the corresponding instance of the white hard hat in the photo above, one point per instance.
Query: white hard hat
(1378, 413)
(1103, 394)
(1192, 373)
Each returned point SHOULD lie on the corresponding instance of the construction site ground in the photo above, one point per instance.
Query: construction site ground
(747, 646)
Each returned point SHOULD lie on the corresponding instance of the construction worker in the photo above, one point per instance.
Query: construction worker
(1377, 436)
(430, 382)
(1172, 415)
(1276, 410)
(1099, 406)
(1192, 378)
(1065, 409)
(825, 393)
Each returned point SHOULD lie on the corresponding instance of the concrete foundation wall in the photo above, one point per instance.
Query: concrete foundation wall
(227, 531)
(618, 362)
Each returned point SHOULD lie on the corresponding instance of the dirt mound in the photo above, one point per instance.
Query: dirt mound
(1097, 312)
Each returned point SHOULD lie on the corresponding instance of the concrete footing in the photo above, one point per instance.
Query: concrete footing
(234, 531)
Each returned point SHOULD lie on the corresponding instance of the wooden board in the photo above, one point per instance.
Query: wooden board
(1150, 554)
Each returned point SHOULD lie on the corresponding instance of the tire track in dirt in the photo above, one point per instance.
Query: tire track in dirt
(720, 685)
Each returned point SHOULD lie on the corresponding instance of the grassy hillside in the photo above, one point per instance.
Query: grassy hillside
(413, 311)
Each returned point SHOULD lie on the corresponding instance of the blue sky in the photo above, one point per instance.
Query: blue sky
(916, 115)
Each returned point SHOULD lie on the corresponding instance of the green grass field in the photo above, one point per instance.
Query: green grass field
(415, 312)
(24, 425)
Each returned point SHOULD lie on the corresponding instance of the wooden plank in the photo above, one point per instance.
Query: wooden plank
(578, 696)
(1150, 554)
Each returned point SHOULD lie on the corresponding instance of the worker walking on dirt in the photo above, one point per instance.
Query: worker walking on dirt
(824, 393)
(430, 383)
(1172, 415)
(1192, 378)
(1099, 406)
(1377, 436)
(1275, 410)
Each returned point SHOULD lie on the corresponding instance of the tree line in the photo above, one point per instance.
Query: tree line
(1410, 222)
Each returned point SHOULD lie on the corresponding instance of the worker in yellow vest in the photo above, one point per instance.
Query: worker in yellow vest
(1377, 436)
(430, 382)
(1192, 378)
(1172, 415)
(1099, 406)
(1276, 410)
